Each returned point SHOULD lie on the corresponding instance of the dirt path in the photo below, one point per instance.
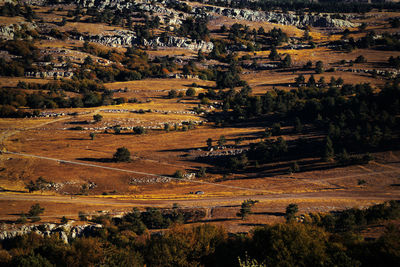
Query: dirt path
(8, 133)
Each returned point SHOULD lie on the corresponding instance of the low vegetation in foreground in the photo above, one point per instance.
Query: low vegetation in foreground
(315, 239)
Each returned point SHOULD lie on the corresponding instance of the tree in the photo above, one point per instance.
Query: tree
(190, 92)
(22, 219)
(221, 140)
(300, 80)
(287, 62)
(92, 135)
(122, 155)
(139, 130)
(329, 151)
(209, 143)
(319, 67)
(245, 208)
(360, 59)
(362, 27)
(31, 186)
(202, 172)
(291, 211)
(306, 35)
(172, 94)
(311, 81)
(117, 129)
(167, 127)
(273, 55)
(179, 174)
(394, 22)
(276, 129)
(64, 220)
(82, 216)
(34, 212)
(97, 117)
(88, 61)
(298, 126)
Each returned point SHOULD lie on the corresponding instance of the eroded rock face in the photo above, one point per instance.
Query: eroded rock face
(279, 18)
(128, 38)
(181, 42)
(65, 231)
(8, 32)
(316, 20)
(101, 4)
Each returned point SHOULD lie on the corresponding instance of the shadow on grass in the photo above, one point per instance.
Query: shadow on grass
(253, 224)
(11, 191)
(103, 160)
(219, 220)
(278, 214)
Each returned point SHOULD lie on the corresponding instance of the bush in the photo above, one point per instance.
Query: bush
(139, 130)
(360, 59)
(190, 92)
(97, 117)
(82, 216)
(122, 155)
(291, 211)
(172, 94)
(34, 212)
(179, 174)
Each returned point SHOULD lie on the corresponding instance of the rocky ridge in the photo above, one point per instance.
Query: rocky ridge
(315, 20)
(9, 32)
(65, 232)
(127, 38)
(288, 18)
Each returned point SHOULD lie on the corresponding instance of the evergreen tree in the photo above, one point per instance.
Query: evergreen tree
(291, 211)
(319, 67)
(287, 62)
(329, 151)
(273, 55)
(122, 155)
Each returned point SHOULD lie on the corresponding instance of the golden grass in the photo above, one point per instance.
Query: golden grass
(158, 84)
(162, 52)
(13, 81)
(92, 28)
(11, 20)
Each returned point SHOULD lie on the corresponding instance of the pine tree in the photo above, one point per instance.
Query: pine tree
(329, 151)
(274, 54)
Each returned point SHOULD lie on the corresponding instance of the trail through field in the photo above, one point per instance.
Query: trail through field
(261, 83)
(191, 180)
(8, 133)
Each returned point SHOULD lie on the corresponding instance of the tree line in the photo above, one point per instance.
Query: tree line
(126, 242)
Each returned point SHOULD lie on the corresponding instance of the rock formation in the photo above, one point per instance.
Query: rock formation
(128, 38)
(65, 231)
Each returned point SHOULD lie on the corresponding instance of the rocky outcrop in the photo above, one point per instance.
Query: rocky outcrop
(33, 2)
(102, 4)
(127, 38)
(288, 18)
(65, 231)
(182, 42)
(317, 20)
(46, 74)
(116, 38)
(8, 32)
